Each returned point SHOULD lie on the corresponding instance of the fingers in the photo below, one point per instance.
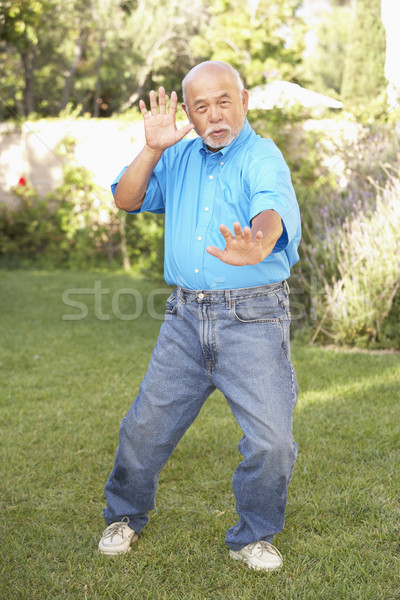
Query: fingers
(214, 251)
(237, 230)
(240, 234)
(184, 131)
(161, 107)
(143, 109)
(226, 233)
(153, 103)
(241, 247)
(173, 102)
(162, 100)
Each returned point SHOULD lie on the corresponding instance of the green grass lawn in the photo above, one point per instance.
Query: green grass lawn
(66, 383)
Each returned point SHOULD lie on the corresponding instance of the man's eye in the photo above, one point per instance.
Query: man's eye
(201, 108)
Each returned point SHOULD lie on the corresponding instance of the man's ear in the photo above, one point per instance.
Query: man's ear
(245, 100)
(186, 111)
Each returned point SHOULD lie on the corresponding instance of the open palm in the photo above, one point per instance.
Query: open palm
(241, 249)
(159, 125)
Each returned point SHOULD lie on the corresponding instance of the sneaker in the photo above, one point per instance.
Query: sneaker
(117, 538)
(260, 556)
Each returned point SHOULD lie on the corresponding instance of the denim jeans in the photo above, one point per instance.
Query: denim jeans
(238, 342)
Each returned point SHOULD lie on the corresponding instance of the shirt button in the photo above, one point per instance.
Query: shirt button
(211, 177)
(199, 238)
(206, 208)
(196, 270)
(222, 163)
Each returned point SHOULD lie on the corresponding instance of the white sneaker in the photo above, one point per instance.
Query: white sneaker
(260, 556)
(117, 538)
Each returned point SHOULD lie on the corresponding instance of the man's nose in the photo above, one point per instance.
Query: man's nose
(215, 114)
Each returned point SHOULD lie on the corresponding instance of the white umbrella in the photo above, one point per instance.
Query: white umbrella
(284, 93)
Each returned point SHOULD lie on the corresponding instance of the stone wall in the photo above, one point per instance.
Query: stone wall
(103, 146)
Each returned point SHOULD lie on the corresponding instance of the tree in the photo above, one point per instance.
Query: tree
(159, 43)
(262, 39)
(102, 55)
(60, 44)
(323, 67)
(364, 77)
(20, 21)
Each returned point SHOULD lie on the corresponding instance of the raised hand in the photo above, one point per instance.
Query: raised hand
(241, 248)
(159, 125)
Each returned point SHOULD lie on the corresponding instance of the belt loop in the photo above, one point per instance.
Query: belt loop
(228, 299)
(286, 287)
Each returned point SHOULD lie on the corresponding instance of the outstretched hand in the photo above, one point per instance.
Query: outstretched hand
(159, 125)
(242, 248)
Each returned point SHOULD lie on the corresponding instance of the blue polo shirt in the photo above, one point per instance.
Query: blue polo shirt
(198, 190)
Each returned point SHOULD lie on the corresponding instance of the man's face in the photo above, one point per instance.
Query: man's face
(215, 106)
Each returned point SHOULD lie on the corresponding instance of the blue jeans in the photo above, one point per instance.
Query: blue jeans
(238, 342)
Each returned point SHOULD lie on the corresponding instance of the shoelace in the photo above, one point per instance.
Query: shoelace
(258, 549)
(116, 529)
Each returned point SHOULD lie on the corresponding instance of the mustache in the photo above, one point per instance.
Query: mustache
(211, 130)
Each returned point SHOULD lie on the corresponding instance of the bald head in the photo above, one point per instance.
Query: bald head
(212, 67)
(215, 102)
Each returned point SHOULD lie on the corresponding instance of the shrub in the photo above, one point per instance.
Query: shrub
(28, 231)
(77, 226)
(367, 252)
(352, 156)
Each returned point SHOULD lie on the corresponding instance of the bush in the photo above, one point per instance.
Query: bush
(366, 251)
(29, 233)
(350, 193)
(77, 226)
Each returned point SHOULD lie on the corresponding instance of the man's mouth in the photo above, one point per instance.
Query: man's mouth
(219, 132)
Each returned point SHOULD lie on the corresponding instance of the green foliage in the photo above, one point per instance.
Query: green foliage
(369, 267)
(51, 232)
(348, 160)
(21, 20)
(26, 30)
(76, 226)
(261, 39)
(104, 55)
(322, 69)
(354, 254)
(145, 242)
(364, 78)
(29, 231)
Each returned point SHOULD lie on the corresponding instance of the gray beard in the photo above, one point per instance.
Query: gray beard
(215, 144)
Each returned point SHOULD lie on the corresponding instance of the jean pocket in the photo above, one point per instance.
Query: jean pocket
(262, 309)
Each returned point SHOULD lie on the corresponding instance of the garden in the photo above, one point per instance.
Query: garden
(83, 297)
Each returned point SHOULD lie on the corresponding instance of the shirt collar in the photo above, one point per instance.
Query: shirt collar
(244, 134)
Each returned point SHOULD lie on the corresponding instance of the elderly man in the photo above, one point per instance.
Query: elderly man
(227, 321)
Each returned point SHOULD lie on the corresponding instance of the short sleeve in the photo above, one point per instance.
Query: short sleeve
(116, 180)
(271, 189)
(154, 199)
